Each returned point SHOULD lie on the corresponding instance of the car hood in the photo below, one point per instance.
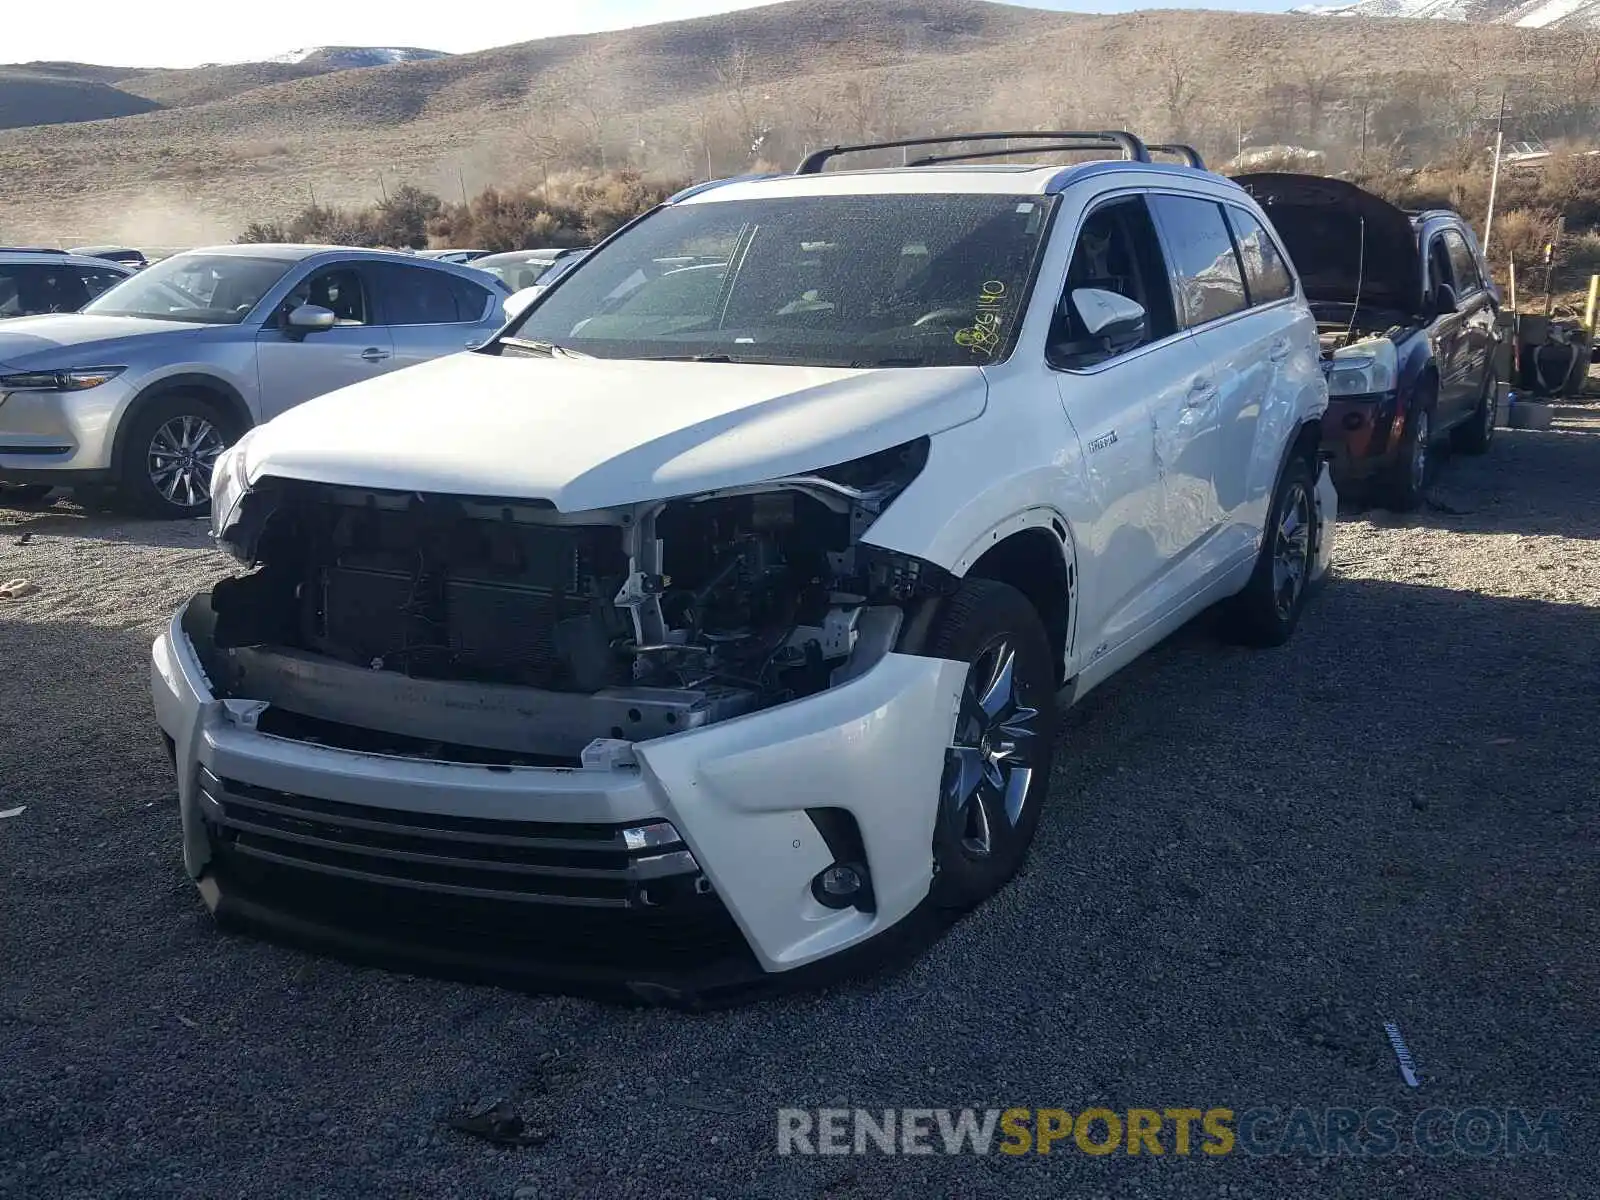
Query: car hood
(37, 341)
(594, 433)
(1342, 239)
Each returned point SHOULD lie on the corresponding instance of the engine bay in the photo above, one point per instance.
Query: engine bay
(508, 625)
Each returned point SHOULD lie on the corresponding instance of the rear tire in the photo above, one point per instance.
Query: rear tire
(1474, 437)
(997, 772)
(167, 454)
(1266, 612)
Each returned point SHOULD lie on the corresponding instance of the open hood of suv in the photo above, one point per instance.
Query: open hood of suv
(588, 433)
(1320, 222)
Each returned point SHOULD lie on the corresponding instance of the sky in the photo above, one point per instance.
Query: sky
(186, 33)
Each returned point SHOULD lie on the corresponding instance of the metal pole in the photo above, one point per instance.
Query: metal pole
(1494, 174)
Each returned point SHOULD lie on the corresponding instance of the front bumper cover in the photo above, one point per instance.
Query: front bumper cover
(735, 793)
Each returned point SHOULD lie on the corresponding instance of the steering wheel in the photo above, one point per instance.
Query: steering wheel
(929, 318)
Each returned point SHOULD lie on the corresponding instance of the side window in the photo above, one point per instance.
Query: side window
(415, 295)
(27, 289)
(472, 301)
(96, 282)
(1439, 263)
(1266, 271)
(1210, 280)
(1462, 264)
(1117, 251)
(11, 291)
(337, 289)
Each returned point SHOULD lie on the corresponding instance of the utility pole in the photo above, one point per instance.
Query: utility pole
(1365, 103)
(1494, 174)
(462, 180)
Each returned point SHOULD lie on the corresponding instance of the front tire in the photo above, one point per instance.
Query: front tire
(167, 455)
(1406, 479)
(997, 770)
(1269, 608)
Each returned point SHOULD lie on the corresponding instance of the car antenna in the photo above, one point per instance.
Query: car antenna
(1361, 275)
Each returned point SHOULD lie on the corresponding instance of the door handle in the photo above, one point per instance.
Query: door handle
(1279, 351)
(373, 354)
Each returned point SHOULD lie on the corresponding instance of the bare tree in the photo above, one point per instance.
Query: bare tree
(1175, 80)
(739, 79)
(1317, 79)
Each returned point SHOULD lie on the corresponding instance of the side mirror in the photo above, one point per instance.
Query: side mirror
(308, 318)
(1444, 300)
(1109, 317)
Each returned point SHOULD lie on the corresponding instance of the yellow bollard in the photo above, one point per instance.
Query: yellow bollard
(1594, 297)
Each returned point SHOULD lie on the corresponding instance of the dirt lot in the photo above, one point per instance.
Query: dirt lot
(1251, 861)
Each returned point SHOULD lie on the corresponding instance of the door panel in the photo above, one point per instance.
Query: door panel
(1222, 375)
(1113, 395)
(1450, 342)
(1127, 549)
(1477, 320)
(294, 367)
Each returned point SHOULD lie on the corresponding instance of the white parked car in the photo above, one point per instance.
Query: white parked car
(710, 623)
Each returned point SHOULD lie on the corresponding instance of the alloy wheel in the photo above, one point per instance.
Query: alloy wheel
(1291, 551)
(989, 768)
(180, 459)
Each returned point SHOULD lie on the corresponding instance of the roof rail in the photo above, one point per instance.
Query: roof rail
(1189, 154)
(1130, 146)
(694, 189)
(31, 250)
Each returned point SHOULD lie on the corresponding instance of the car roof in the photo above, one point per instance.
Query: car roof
(55, 257)
(507, 256)
(1000, 179)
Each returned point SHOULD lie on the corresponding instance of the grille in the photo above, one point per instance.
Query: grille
(585, 893)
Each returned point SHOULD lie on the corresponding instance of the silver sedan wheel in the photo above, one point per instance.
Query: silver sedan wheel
(180, 459)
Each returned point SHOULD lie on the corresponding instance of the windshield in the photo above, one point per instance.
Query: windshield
(884, 280)
(516, 274)
(207, 289)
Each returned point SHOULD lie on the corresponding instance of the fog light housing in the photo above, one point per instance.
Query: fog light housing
(1354, 420)
(843, 885)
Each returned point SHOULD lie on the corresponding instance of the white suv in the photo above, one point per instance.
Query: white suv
(719, 619)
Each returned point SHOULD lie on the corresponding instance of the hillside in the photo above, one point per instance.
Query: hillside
(49, 93)
(765, 83)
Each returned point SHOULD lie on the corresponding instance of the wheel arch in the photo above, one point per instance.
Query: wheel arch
(220, 390)
(1034, 553)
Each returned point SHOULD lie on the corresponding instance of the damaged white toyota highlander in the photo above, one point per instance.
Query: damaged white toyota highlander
(708, 628)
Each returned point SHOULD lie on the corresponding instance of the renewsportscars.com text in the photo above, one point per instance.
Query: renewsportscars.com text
(1178, 1132)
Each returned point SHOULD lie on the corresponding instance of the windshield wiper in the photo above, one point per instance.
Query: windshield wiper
(907, 361)
(548, 349)
(717, 358)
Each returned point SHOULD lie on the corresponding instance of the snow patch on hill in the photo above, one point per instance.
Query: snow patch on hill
(356, 56)
(1528, 14)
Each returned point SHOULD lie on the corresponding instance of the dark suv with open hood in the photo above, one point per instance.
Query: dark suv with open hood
(1406, 313)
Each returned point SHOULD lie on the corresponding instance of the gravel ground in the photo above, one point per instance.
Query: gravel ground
(1251, 860)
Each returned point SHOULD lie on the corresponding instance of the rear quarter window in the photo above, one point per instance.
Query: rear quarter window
(1266, 270)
